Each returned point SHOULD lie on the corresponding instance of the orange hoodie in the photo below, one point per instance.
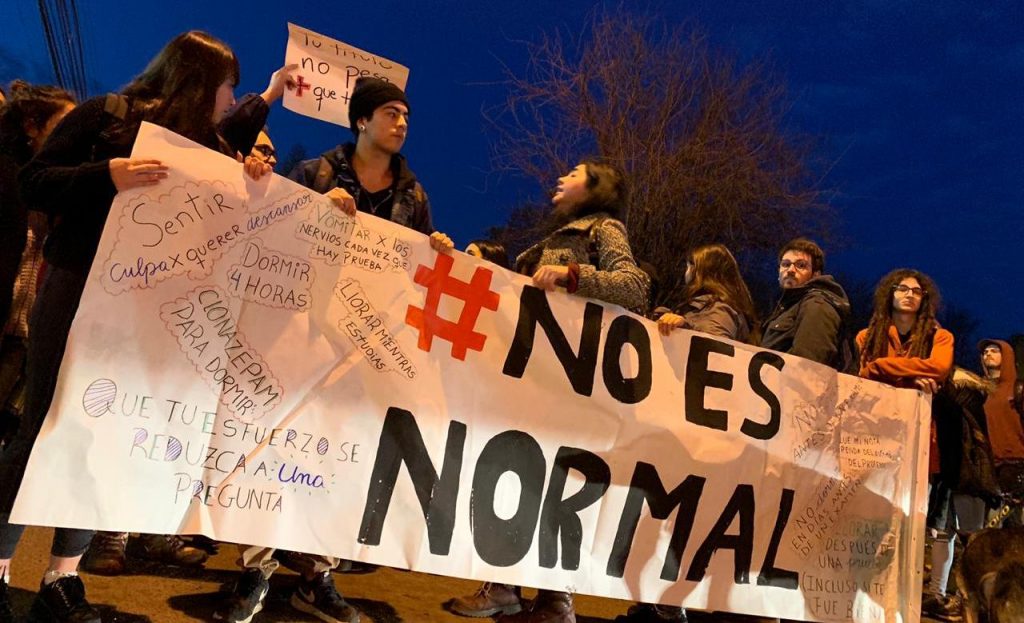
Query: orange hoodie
(900, 370)
(1005, 431)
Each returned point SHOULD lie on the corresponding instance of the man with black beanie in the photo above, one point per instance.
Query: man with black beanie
(371, 175)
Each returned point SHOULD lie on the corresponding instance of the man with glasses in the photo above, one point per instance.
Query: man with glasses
(810, 318)
(264, 149)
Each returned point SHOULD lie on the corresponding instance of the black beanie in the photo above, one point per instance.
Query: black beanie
(368, 95)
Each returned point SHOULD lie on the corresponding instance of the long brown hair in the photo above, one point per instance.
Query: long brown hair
(178, 89)
(716, 272)
(876, 343)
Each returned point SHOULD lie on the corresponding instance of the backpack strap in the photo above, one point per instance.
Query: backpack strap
(116, 105)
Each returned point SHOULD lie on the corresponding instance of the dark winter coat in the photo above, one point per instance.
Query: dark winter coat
(615, 278)
(810, 322)
(13, 228)
(410, 206)
(69, 179)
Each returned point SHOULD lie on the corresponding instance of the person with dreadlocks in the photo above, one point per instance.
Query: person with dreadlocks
(905, 346)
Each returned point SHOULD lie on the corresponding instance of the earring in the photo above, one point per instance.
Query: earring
(362, 128)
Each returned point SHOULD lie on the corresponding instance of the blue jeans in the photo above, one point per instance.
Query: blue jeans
(55, 307)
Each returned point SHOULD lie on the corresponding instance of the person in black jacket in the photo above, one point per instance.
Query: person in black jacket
(371, 175)
(26, 120)
(187, 88)
(810, 318)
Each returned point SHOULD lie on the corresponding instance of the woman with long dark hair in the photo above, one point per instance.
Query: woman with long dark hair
(493, 252)
(716, 300)
(187, 88)
(587, 254)
(904, 346)
(588, 251)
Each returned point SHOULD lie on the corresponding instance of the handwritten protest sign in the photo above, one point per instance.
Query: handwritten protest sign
(327, 73)
(389, 404)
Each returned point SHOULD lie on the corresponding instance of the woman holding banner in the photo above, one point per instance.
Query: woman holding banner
(716, 299)
(588, 254)
(187, 88)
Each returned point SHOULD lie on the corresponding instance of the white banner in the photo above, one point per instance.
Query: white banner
(327, 73)
(251, 364)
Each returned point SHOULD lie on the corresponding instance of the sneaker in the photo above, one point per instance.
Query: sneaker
(245, 600)
(321, 599)
(169, 549)
(490, 599)
(63, 601)
(942, 607)
(106, 553)
(6, 614)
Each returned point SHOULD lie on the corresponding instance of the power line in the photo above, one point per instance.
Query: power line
(64, 43)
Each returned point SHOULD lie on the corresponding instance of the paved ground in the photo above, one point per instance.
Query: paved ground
(151, 593)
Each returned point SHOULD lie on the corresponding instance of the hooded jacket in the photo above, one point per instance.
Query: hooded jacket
(410, 206)
(810, 322)
(1005, 430)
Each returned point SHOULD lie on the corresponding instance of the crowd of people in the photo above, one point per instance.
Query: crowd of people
(62, 162)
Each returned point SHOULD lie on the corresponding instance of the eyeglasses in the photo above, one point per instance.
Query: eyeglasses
(905, 290)
(799, 264)
(267, 151)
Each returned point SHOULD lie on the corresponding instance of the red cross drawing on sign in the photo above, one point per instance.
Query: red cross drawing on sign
(299, 86)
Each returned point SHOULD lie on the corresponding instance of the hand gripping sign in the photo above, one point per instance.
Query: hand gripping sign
(327, 73)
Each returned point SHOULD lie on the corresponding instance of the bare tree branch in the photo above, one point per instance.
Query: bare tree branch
(701, 139)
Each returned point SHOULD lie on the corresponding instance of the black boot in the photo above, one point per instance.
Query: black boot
(63, 601)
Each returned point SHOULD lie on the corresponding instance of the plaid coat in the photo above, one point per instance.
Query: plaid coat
(600, 245)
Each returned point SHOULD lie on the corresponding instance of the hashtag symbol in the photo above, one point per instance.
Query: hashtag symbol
(475, 295)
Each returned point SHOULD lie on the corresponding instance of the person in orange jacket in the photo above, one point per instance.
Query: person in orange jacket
(1003, 420)
(905, 346)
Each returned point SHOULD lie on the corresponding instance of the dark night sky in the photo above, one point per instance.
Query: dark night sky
(919, 105)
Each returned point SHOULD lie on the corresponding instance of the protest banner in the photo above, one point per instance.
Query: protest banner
(252, 364)
(327, 73)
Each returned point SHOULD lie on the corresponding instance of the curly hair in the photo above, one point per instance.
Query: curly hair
(876, 343)
(29, 105)
(716, 272)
